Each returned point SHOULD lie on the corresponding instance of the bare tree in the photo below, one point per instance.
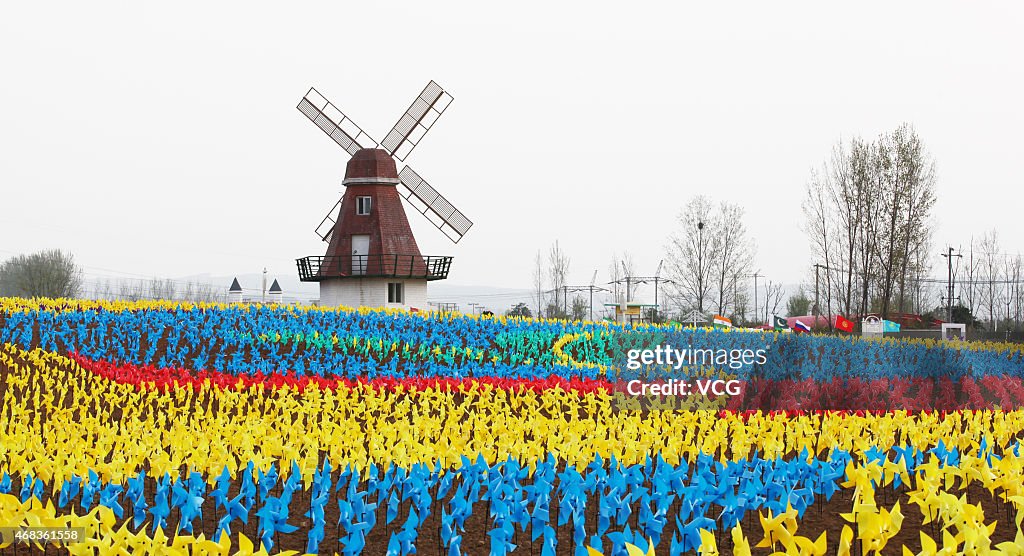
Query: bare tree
(969, 290)
(691, 252)
(160, 289)
(991, 272)
(558, 270)
(1014, 269)
(821, 221)
(907, 198)
(207, 293)
(629, 269)
(773, 295)
(538, 284)
(868, 219)
(104, 290)
(734, 255)
(615, 272)
(50, 273)
(741, 301)
(188, 293)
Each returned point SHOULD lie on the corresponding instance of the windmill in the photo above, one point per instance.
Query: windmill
(372, 258)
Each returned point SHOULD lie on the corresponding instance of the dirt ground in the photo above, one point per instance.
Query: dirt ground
(821, 516)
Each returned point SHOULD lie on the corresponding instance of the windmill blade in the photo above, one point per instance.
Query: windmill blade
(326, 227)
(416, 121)
(433, 205)
(334, 122)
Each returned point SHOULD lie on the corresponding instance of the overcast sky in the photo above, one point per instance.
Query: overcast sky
(165, 141)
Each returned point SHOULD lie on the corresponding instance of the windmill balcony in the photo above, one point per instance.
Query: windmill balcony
(315, 269)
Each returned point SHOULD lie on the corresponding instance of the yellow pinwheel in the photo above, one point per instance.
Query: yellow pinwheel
(775, 530)
(845, 541)
(741, 547)
(708, 544)
(806, 546)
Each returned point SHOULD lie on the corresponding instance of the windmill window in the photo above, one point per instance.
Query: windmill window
(363, 205)
(396, 292)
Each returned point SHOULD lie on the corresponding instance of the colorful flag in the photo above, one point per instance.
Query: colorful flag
(801, 326)
(780, 323)
(844, 324)
(719, 320)
(890, 326)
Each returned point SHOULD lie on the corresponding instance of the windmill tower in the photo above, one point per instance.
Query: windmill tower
(372, 259)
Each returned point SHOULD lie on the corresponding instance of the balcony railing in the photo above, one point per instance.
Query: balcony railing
(315, 269)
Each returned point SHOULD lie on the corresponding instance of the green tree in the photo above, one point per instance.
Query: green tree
(579, 309)
(961, 314)
(519, 310)
(50, 273)
(798, 304)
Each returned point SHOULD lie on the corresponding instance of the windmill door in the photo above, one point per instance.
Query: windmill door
(360, 252)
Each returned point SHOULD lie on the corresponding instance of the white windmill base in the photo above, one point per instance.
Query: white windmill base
(372, 292)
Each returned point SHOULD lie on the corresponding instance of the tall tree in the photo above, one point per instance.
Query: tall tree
(1014, 274)
(615, 273)
(773, 295)
(538, 284)
(868, 219)
(691, 255)
(734, 255)
(558, 271)
(991, 262)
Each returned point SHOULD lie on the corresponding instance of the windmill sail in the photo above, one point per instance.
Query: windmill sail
(433, 205)
(334, 122)
(416, 121)
(326, 227)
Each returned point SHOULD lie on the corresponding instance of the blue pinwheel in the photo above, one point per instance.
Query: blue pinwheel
(161, 509)
(68, 490)
(135, 493)
(273, 518)
(89, 490)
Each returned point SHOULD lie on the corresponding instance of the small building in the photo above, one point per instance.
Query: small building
(235, 292)
(632, 312)
(275, 294)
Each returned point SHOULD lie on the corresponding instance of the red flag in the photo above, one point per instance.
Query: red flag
(844, 324)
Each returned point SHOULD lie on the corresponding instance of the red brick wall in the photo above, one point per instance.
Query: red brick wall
(387, 224)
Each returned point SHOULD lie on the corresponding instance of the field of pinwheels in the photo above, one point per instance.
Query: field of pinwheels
(169, 428)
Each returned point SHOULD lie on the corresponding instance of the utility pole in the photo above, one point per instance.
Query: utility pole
(757, 274)
(657, 279)
(625, 271)
(590, 288)
(949, 282)
(1008, 319)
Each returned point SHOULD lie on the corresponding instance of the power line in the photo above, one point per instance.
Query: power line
(922, 280)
